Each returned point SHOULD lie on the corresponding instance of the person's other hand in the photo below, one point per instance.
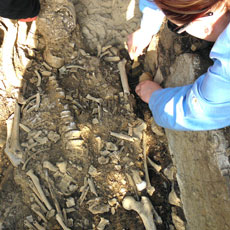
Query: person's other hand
(145, 89)
(137, 42)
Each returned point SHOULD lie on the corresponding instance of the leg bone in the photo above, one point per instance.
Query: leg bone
(13, 149)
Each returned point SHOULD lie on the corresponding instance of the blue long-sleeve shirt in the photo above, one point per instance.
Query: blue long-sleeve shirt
(204, 105)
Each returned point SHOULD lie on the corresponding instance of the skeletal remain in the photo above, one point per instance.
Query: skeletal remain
(173, 198)
(38, 101)
(36, 209)
(75, 67)
(84, 190)
(154, 165)
(92, 186)
(60, 221)
(144, 208)
(27, 102)
(105, 53)
(13, 149)
(35, 180)
(47, 66)
(102, 224)
(43, 208)
(140, 184)
(38, 226)
(64, 215)
(97, 207)
(150, 188)
(29, 225)
(112, 59)
(70, 202)
(73, 134)
(123, 76)
(98, 100)
(31, 156)
(24, 127)
(132, 183)
(39, 78)
(50, 166)
(104, 48)
(62, 166)
(122, 136)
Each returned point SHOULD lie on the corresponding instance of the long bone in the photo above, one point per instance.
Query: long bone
(145, 210)
(13, 149)
(150, 188)
(35, 180)
(123, 76)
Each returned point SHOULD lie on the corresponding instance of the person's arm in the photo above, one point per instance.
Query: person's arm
(151, 22)
(205, 105)
(152, 17)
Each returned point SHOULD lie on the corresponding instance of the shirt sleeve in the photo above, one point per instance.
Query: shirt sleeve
(152, 18)
(204, 105)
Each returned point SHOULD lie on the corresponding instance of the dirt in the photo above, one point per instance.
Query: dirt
(78, 104)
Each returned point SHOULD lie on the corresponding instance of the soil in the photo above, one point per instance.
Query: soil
(67, 127)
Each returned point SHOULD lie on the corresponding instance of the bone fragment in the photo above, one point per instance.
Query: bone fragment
(98, 100)
(37, 200)
(150, 188)
(38, 101)
(65, 220)
(140, 184)
(122, 136)
(105, 53)
(47, 66)
(62, 166)
(123, 76)
(50, 166)
(13, 149)
(104, 48)
(28, 225)
(83, 195)
(25, 128)
(75, 67)
(112, 59)
(132, 183)
(60, 221)
(30, 157)
(35, 208)
(35, 180)
(102, 224)
(144, 208)
(154, 165)
(38, 226)
(52, 193)
(92, 186)
(39, 78)
(173, 198)
(27, 102)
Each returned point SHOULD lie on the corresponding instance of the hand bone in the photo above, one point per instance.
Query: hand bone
(144, 208)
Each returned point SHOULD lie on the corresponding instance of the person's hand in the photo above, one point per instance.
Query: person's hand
(137, 42)
(145, 89)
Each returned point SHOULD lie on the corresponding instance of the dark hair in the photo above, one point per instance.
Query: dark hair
(185, 11)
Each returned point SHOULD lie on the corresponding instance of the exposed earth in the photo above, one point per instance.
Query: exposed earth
(80, 135)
